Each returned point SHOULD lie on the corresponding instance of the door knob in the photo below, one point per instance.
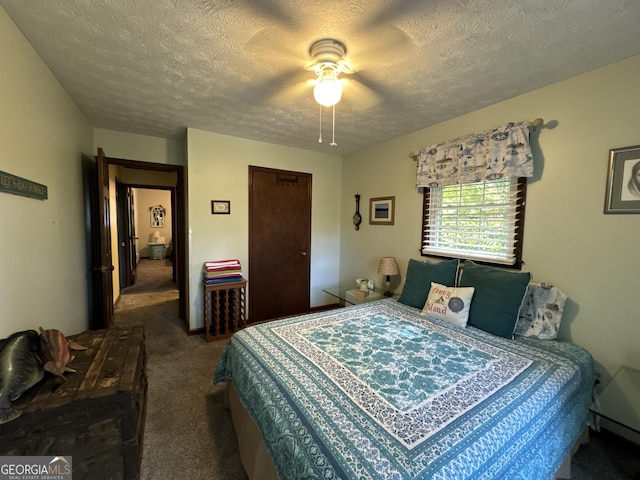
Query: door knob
(105, 268)
(304, 254)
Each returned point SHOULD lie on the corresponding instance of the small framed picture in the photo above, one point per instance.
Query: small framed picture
(220, 207)
(623, 181)
(382, 211)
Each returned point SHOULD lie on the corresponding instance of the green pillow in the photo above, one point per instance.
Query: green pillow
(497, 297)
(419, 277)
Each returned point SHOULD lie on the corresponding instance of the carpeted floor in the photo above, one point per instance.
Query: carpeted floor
(152, 276)
(188, 432)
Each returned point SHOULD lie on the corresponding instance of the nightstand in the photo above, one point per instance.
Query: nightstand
(619, 402)
(347, 295)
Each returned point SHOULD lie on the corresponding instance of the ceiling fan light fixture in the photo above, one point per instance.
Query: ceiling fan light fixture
(328, 90)
(327, 61)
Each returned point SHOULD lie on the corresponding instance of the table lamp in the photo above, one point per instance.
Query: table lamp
(388, 266)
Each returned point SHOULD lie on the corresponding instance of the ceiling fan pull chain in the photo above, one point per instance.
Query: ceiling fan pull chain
(320, 137)
(333, 135)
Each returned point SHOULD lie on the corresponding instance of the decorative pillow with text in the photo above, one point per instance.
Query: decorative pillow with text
(450, 304)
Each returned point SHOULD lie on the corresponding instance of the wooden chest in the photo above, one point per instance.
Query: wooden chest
(96, 416)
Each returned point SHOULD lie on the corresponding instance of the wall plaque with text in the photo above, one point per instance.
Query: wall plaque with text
(21, 186)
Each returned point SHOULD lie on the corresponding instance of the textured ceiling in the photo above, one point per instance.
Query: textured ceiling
(235, 67)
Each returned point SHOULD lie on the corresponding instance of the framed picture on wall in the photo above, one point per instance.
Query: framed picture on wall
(220, 207)
(382, 211)
(157, 216)
(623, 181)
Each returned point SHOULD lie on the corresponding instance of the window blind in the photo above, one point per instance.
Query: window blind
(478, 221)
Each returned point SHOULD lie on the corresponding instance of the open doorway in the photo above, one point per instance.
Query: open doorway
(150, 205)
(146, 228)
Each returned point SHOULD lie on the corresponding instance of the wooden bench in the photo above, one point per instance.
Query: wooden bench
(96, 416)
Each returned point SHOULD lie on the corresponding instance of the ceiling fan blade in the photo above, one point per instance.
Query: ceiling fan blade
(358, 95)
(269, 9)
(381, 46)
(274, 44)
(393, 11)
(371, 92)
(292, 94)
(287, 87)
(260, 92)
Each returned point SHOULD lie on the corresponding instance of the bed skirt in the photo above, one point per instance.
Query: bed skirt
(255, 457)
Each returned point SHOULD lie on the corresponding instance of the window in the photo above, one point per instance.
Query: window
(481, 221)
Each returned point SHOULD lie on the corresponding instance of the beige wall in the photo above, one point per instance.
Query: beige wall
(145, 198)
(569, 242)
(42, 245)
(218, 169)
(131, 146)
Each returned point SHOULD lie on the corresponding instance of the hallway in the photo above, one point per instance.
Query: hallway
(154, 296)
(152, 276)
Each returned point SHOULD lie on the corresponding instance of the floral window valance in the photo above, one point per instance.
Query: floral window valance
(502, 152)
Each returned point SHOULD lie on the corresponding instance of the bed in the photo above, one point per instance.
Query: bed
(383, 391)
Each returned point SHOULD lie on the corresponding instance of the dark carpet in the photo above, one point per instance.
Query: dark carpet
(188, 432)
(152, 276)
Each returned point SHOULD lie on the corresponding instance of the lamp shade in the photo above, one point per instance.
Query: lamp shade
(388, 266)
(328, 92)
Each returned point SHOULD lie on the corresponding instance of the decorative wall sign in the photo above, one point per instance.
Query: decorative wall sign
(623, 181)
(382, 211)
(220, 207)
(21, 186)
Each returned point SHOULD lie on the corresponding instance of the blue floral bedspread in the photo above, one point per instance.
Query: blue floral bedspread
(378, 391)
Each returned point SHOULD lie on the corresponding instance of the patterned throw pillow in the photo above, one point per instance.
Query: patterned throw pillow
(541, 312)
(450, 304)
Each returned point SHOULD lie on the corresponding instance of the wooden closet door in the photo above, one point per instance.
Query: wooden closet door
(279, 243)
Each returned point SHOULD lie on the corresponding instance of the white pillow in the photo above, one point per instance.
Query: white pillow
(450, 304)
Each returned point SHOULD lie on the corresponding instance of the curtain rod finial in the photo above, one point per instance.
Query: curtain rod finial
(535, 123)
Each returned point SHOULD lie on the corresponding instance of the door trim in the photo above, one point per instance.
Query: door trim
(104, 269)
(179, 219)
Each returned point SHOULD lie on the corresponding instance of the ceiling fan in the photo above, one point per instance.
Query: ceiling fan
(327, 61)
(372, 37)
(323, 76)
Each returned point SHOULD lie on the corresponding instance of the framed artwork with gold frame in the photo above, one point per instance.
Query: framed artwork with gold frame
(382, 211)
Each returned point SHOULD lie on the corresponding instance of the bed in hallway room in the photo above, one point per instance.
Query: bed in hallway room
(383, 391)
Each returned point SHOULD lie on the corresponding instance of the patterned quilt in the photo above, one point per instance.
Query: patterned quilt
(378, 391)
